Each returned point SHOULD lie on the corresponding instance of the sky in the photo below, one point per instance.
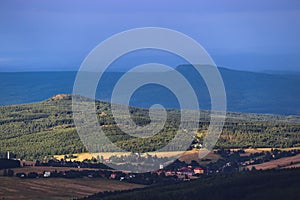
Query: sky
(252, 35)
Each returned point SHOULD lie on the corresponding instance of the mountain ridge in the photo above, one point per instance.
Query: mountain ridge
(246, 91)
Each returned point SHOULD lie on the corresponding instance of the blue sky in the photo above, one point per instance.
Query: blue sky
(253, 35)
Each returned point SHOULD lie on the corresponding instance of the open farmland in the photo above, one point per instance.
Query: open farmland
(106, 155)
(187, 156)
(41, 169)
(58, 188)
(279, 163)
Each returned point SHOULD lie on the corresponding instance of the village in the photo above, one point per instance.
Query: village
(232, 161)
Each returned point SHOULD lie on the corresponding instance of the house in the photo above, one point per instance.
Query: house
(158, 172)
(185, 171)
(47, 174)
(113, 176)
(170, 173)
(197, 146)
(198, 170)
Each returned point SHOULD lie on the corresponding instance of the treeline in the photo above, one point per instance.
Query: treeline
(46, 143)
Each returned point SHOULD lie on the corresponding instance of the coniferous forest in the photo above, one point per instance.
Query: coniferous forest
(46, 128)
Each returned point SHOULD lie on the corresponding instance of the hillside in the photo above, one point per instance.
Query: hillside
(46, 128)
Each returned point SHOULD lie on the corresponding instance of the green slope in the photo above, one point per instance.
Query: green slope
(46, 128)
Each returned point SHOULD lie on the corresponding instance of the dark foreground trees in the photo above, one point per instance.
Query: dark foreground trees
(273, 184)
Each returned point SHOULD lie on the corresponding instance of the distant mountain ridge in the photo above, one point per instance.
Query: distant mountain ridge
(250, 92)
(282, 72)
(259, 92)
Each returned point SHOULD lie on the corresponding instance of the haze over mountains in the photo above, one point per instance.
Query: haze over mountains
(246, 91)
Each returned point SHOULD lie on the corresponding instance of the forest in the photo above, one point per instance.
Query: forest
(36, 130)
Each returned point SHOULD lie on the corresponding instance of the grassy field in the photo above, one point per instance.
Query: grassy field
(279, 163)
(79, 157)
(196, 155)
(106, 155)
(57, 188)
(254, 150)
(248, 151)
(186, 156)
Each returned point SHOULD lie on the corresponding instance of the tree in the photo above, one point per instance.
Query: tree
(10, 172)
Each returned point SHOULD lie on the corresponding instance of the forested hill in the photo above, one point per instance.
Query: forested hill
(46, 128)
